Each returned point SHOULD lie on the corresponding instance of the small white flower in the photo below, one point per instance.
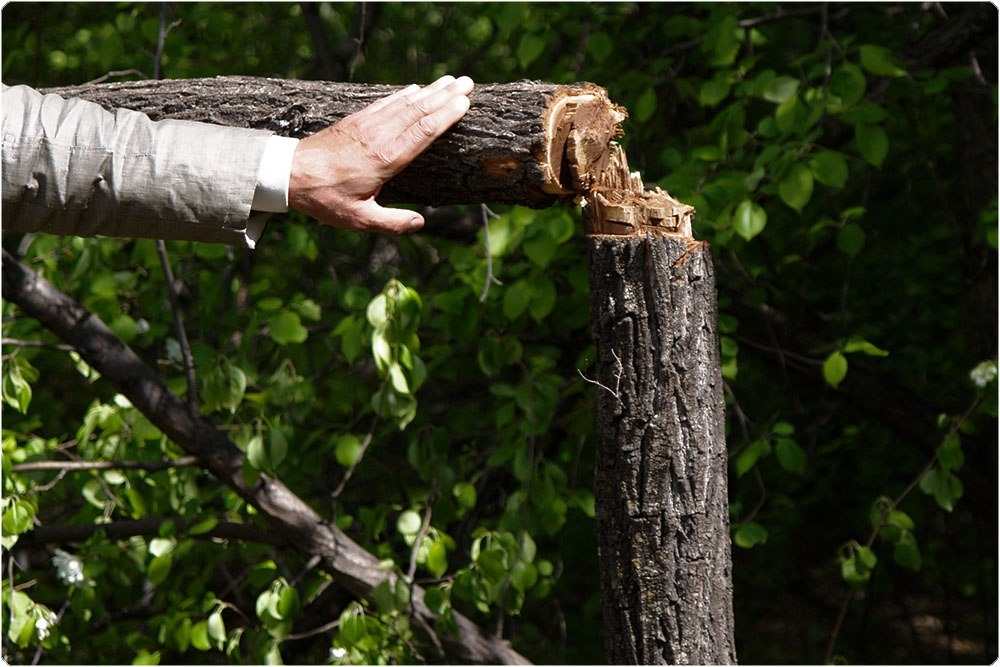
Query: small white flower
(984, 373)
(44, 621)
(337, 653)
(68, 567)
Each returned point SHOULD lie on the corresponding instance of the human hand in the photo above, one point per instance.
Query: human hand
(337, 172)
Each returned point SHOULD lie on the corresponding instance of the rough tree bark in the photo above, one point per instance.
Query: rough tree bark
(508, 149)
(352, 566)
(661, 482)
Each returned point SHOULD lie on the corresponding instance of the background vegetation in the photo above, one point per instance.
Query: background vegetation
(842, 159)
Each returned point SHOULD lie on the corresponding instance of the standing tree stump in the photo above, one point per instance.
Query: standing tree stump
(661, 481)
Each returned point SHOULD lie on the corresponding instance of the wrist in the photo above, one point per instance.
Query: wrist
(274, 175)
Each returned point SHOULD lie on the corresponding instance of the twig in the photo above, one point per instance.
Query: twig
(490, 278)
(120, 72)
(365, 444)
(616, 392)
(68, 466)
(326, 627)
(126, 528)
(182, 339)
(161, 39)
(359, 41)
(424, 527)
(37, 343)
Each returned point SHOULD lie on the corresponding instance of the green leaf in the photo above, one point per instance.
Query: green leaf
(713, 91)
(907, 553)
(465, 495)
(493, 564)
(949, 453)
(859, 344)
(517, 298)
(879, 61)
(791, 457)
(600, 46)
(851, 239)
(408, 524)
(159, 569)
(872, 142)
(749, 535)
(790, 115)
(19, 517)
(384, 598)
(348, 450)
(437, 558)
(288, 602)
(835, 369)
(377, 312)
(531, 46)
(199, 636)
(278, 449)
(144, 657)
(398, 379)
(796, 187)
(17, 378)
(944, 486)
(543, 299)
(749, 219)
(645, 106)
(257, 454)
(286, 327)
(523, 576)
(780, 89)
(829, 168)
(848, 83)
(747, 458)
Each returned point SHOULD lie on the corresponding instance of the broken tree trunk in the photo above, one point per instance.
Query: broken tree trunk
(660, 481)
(510, 147)
(661, 496)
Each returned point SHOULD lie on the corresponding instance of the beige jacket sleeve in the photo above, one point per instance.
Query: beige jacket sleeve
(72, 168)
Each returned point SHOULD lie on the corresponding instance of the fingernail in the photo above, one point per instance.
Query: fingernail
(415, 224)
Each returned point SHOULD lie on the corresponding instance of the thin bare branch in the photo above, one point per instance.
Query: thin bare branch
(490, 278)
(73, 466)
(117, 73)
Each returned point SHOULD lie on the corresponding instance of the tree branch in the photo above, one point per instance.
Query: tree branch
(121, 530)
(293, 520)
(151, 466)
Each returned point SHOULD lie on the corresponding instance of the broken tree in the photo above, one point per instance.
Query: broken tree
(661, 497)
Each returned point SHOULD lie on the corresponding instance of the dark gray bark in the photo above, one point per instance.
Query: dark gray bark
(661, 481)
(508, 149)
(292, 519)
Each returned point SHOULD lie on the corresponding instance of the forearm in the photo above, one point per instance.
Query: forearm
(70, 167)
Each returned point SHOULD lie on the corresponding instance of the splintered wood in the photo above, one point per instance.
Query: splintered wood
(619, 204)
(582, 161)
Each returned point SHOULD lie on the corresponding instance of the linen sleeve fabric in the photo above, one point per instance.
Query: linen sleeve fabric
(72, 168)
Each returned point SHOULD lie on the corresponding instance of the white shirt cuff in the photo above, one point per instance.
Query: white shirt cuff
(271, 194)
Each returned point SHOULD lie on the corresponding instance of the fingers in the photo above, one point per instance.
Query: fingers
(409, 121)
(379, 104)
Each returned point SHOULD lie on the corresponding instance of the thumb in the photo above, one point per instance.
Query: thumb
(395, 221)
